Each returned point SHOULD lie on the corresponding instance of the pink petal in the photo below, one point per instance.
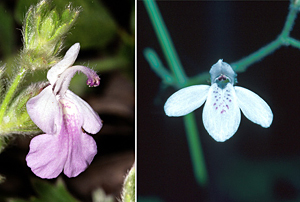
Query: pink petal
(91, 120)
(82, 150)
(44, 111)
(81, 147)
(47, 155)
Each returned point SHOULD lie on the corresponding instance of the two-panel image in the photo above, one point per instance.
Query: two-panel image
(149, 101)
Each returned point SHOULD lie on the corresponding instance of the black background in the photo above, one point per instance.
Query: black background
(256, 164)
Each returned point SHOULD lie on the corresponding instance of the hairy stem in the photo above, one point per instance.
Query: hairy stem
(11, 91)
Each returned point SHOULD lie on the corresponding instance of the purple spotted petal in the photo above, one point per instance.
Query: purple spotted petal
(47, 155)
(91, 120)
(221, 113)
(44, 111)
(81, 147)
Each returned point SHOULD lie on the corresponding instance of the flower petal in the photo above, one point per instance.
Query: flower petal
(221, 113)
(254, 107)
(44, 111)
(186, 100)
(91, 120)
(81, 147)
(62, 65)
(47, 155)
(81, 155)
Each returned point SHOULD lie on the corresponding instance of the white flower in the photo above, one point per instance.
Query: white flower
(221, 113)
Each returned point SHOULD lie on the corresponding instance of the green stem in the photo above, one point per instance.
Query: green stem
(165, 42)
(290, 20)
(10, 92)
(158, 67)
(293, 42)
(283, 39)
(243, 64)
(196, 153)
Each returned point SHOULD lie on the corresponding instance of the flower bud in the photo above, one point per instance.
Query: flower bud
(43, 32)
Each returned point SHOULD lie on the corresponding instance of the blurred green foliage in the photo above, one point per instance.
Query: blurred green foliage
(100, 196)
(49, 193)
(6, 31)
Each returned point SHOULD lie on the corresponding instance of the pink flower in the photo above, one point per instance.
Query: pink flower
(64, 117)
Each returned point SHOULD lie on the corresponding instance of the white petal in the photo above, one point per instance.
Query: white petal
(254, 107)
(186, 100)
(221, 114)
(62, 65)
(44, 111)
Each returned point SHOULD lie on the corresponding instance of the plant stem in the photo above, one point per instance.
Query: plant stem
(157, 66)
(180, 80)
(196, 153)
(10, 92)
(282, 39)
(165, 42)
(243, 64)
(293, 42)
(290, 20)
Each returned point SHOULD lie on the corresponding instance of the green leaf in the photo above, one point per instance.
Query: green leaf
(128, 193)
(49, 193)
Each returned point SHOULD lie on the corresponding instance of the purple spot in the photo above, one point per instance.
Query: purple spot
(223, 111)
(229, 100)
(216, 108)
(214, 104)
(227, 106)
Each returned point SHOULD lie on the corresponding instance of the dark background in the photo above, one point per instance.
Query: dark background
(256, 164)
